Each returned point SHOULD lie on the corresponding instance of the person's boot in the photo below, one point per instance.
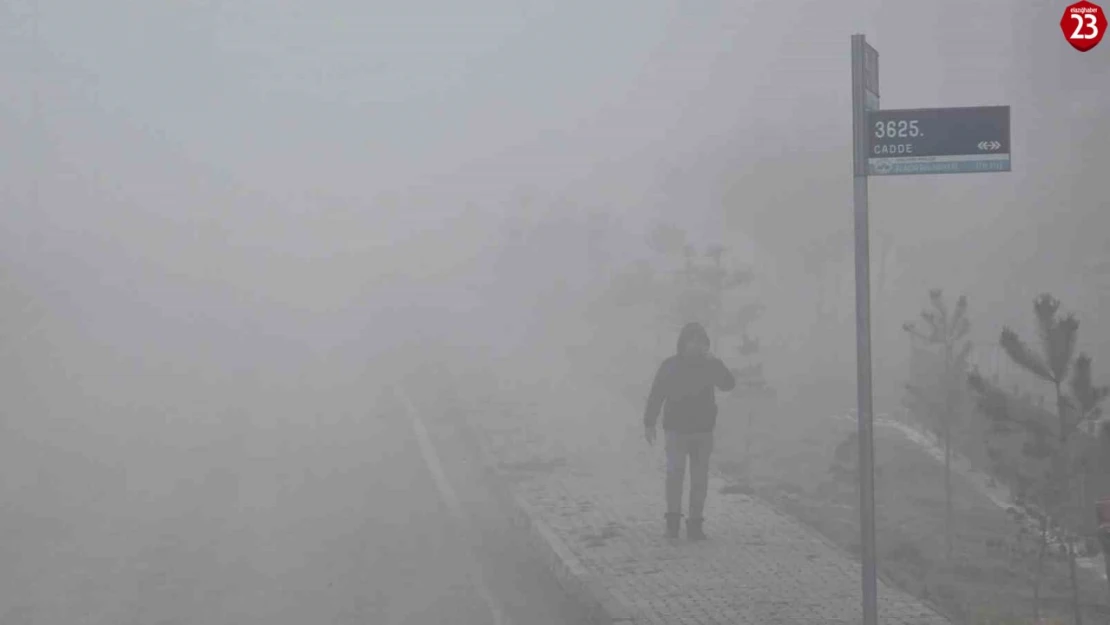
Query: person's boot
(694, 529)
(674, 521)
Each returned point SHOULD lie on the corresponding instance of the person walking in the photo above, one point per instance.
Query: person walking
(684, 389)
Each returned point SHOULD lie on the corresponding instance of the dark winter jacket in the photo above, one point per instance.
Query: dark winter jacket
(684, 389)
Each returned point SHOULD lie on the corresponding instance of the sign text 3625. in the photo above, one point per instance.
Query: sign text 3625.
(897, 129)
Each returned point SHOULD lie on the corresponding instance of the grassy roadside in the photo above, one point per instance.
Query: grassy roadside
(789, 466)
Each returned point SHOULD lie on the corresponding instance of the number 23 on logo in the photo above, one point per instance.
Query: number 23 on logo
(1083, 24)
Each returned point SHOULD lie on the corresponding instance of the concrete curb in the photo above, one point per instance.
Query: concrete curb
(601, 606)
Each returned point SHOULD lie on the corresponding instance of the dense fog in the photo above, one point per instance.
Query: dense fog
(225, 218)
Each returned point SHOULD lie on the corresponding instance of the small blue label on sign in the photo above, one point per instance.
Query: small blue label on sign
(895, 167)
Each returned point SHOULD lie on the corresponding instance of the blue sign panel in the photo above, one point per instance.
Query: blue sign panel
(939, 141)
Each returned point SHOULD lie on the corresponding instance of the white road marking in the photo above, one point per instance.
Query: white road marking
(427, 450)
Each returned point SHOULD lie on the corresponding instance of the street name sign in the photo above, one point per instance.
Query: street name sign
(870, 77)
(938, 141)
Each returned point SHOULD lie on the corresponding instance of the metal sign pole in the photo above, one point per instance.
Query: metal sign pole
(860, 142)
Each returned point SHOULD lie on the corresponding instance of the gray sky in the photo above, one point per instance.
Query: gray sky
(296, 157)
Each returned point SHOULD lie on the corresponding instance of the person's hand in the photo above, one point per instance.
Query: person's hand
(649, 434)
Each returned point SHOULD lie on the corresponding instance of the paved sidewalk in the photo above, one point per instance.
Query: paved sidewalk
(577, 465)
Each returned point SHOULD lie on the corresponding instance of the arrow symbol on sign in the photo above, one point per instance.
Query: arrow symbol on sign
(989, 145)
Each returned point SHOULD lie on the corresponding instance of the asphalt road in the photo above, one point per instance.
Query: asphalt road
(322, 516)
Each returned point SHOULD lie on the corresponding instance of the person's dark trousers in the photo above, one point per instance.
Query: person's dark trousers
(695, 446)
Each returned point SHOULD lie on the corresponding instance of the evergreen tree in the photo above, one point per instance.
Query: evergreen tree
(938, 398)
(1057, 443)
